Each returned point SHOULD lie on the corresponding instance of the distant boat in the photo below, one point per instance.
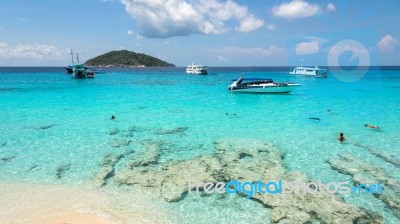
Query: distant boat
(310, 71)
(70, 68)
(81, 71)
(197, 69)
(257, 85)
(98, 71)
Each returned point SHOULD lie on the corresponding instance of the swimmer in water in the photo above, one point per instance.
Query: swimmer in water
(371, 126)
(112, 117)
(341, 138)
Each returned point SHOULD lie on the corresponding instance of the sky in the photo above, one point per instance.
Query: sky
(208, 32)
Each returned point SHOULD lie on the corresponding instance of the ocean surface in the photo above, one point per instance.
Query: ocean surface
(49, 120)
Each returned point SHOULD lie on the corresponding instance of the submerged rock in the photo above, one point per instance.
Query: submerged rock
(131, 130)
(120, 143)
(364, 173)
(386, 156)
(33, 166)
(381, 154)
(45, 127)
(6, 159)
(148, 155)
(243, 160)
(61, 170)
(170, 131)
(107, 168)
(171, 179)
(114, 131)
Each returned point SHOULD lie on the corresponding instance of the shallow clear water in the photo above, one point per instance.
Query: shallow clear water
(49, 120)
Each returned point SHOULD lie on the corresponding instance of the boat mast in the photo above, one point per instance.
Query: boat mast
(72, 57)
(77, 58)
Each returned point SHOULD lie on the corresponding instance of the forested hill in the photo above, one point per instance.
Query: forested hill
(125, 58)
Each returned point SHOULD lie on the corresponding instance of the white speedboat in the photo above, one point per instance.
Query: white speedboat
(310, 71)
(257, 85)
(197, 69)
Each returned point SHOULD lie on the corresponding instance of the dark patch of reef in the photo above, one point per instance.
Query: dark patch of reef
(234, 159)
(365, 173)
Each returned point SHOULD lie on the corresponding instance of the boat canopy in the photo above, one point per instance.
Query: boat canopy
(254, 79)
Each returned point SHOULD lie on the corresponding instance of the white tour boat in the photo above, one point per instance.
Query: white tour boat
(197, 69)
(310, 71)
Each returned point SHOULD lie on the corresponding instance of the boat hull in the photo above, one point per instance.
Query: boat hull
(197, 69)
(310, 71)
(69, 69)
(197, 73)
(265, 89)
(310, 75)
(81, 72)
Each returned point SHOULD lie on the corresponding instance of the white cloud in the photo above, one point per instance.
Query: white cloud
(250, 23)
(33, 51)
(130, 32)
(330, 7)
(388, 43)
(295, 9)
(307, 48)
(170, 18)
(319, 40)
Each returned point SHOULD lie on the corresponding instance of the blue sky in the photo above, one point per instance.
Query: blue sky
(211, 32)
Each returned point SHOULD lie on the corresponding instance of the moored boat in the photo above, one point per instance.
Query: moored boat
(197, 69)
(257, 85)
(81, 71)
(70, 68)
(98, 71)
(310, 71)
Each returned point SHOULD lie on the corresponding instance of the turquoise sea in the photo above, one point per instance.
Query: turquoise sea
(51, 122)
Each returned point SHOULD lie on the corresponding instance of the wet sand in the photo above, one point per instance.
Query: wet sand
(52, 204)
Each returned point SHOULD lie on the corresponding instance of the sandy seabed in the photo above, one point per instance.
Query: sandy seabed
(27, 203)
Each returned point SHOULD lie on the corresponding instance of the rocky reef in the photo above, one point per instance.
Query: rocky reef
(365, 173)
(386, 156)
(108, 167)
(381, 154)
(120, 142)
(234, 159)
(170, 131)
(114, 131)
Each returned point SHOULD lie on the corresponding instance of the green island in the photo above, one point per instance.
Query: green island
(125, 58)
